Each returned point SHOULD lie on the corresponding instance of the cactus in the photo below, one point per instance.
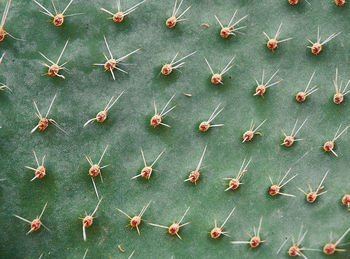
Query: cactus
(67, 187)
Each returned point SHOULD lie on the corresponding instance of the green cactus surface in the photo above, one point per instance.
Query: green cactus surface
(86, 90)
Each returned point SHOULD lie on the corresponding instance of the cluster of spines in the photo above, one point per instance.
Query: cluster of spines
(111, 64)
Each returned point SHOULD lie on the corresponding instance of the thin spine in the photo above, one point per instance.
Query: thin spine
(301, 236)
(64, 48)
(290, 179)
(183, 13)
(259, 227)
(332, 36)
(143, 158)
(106, 11)
(201, 159)
(104, 152)
(155, 161)
(23, 219)
(228, 66)
(183, 216)
(278, 31)
(54, 7)
(300, 127)
(86, 251)
(42, 211)
(132, 253)
(346, 86)
(127, 55)
(211, 70)
(36, 158)
(162, 113)
(295, 124)
(284, 177)
(2, 56)
(233, 17)
(174, 63)
(118, 6)
(229, 215)
(215, 114)
(177, 8)
(109, 51)
(110, 106)
(239, 20)
(144, 209)
(282, 245)
(53, 63)
(341, 238)
(259, 125)
(308, 84)
(267, 36)
(94, 185)
(243, 170)
(47, 12)
(133, 8)
(267, 85)
(320, 185)
(48, 111)
(97, 206)
(217, 19)
(65, 9)
(157, 225)
(341, 133)
(4, 15)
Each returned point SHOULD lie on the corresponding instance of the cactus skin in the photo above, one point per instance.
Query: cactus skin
(68, 188)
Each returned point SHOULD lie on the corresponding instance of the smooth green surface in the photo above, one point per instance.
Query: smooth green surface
(86, 90)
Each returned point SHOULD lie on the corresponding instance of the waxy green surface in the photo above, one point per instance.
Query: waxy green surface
(87, 89)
